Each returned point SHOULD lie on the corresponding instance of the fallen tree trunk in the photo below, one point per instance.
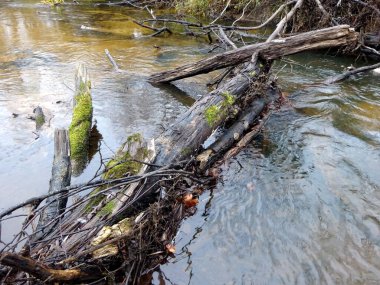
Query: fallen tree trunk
(319, 39)
(235, 132)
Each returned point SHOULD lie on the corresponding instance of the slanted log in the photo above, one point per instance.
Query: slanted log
(60, 178)
(348, 73)
(325, 38)
(47, 274)
(235, 132)
(190, 130)
(88, 218)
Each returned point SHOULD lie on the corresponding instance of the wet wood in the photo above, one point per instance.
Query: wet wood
(190, 130)
(47, 274)
(61, 176)
(348, 73)
(320, 39)
(236, 131)
(85, 221)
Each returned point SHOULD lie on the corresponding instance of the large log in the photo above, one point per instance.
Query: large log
(319, 39)
(189, 132)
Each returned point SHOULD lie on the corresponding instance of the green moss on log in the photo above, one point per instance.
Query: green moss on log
(123, 163)
(40, 120)
(107, 209)
(79, 130)
(216, 113)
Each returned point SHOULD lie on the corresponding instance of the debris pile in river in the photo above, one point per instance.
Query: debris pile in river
(126, 220)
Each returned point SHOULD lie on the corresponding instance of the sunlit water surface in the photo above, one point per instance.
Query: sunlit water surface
(300, 205)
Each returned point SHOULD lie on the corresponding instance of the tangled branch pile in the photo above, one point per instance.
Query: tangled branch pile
(126, 219)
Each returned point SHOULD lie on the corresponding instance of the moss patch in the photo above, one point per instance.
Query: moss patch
(79, 130)
(121, 165)
(107, 209)
(94, 201)
(40, 120)
(123, 162)
(216, 113)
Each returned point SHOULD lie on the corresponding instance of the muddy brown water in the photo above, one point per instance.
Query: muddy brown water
(300, 205)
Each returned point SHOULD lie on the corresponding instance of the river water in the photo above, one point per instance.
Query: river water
(300, 205)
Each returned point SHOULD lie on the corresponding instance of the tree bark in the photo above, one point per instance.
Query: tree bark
(47, 274)
(319, 39)
(61, 176)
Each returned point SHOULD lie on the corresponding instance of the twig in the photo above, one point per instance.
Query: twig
(284, 20)
(242, 14)
(325, 13)
(113, 62)
(224, 36)
(222, 13)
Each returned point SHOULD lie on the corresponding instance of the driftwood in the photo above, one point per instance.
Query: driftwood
(61, 176)
(46, 274)
(348, 73)
(324, 38)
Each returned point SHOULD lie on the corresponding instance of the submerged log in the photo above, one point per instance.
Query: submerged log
(349, 73)
(61, 176)
(325, 38)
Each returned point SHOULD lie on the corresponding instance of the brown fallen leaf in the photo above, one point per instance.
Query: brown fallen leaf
(170, 248)
(189, 201)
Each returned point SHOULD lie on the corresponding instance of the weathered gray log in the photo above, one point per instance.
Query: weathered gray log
(190, 130)
(235, 132)
(319, 39)
(90, 216)
(60, 178)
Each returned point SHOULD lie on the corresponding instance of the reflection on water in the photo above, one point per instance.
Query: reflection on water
(300, 205)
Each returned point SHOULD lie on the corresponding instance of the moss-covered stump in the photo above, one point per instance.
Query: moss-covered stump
(128, 160)
(80, 127)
